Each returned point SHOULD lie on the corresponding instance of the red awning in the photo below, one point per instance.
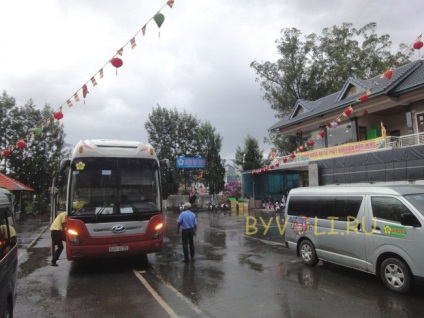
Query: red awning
(12, 185)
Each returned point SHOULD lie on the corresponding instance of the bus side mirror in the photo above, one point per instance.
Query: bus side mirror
(409, 219)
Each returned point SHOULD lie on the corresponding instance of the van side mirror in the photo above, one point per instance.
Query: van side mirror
(409, 219)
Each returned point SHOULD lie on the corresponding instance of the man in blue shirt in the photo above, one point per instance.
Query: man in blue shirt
(188, 222)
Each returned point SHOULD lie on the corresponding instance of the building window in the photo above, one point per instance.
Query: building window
(342, 134)
(362, 133)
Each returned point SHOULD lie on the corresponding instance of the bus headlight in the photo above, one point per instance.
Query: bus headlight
(73, 237)
(158, 230)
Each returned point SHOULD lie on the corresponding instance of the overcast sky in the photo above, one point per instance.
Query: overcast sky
(200, 63)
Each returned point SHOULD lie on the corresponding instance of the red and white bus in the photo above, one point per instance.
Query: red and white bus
(112, 193)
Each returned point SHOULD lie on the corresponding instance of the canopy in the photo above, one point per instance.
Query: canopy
(13, 185)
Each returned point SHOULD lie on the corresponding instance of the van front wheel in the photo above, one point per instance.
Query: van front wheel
(307, 253)
(395, 275)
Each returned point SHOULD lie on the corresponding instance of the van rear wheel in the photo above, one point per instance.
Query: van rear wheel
(396, 275)
(307, 253)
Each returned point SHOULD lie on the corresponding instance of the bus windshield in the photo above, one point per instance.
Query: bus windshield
(114, 186)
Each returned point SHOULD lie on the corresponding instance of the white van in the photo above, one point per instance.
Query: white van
(376, 229)
(8, 255)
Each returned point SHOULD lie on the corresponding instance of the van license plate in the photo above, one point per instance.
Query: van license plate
(118, 248)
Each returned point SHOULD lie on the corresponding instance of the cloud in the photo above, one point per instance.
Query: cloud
(200, 62)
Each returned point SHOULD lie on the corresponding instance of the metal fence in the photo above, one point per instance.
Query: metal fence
(405, 141)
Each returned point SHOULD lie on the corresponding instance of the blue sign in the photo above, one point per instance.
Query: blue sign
(184, 162)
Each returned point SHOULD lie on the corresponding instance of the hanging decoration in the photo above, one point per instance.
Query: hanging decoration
(348, 111)
(159, 18)
(418, 45)
(334, 124)
(117, 63)
(37, 131)
(285, 159)
(277, 164)
(21, 143)
(388, 74)
(6, 153)
(292, 155)
(84, 91)
(311, 143)
(58, 115)
(322, 133)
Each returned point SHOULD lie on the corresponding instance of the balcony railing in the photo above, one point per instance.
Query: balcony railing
(405, 141)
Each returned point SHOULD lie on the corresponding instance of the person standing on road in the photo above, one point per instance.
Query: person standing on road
(188, 222)
(57, 233)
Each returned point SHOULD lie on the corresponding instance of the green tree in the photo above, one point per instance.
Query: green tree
(319, 65)
(211, 143)
(179, 134)
(249, 157)
(34, 164)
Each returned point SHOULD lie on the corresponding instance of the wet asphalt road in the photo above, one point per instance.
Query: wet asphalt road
(234, 275)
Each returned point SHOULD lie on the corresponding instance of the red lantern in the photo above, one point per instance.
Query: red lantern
(347, 112)
(116, 62)
(388, 74)
(364, 98)
(365, 112)
(292, 155)
(301, 148)
(418, 45)
(58, 115)
(21, 144)
(271, 166)
(322, 133)
(277, 164)
(6, 153)
(284, 159)
(311, 143)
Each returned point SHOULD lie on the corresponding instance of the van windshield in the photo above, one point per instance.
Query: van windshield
(417, 200)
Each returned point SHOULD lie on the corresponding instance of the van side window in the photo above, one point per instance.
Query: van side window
(324, 207)
(388, 208)
(7, 232)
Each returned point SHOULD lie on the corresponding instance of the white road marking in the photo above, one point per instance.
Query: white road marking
(159, 299)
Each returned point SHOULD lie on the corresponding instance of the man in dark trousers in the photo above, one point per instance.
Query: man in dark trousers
(57, 230)
(188, 222)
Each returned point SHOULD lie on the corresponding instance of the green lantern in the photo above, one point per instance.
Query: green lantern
(37, 131)
(159, 18)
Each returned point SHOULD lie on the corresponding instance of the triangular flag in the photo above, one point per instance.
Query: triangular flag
(76, 97)
(133, 44)
(120, 51)
(170, 3)
(101, 73)
(143, 30)
(69, 103)
(93, 81)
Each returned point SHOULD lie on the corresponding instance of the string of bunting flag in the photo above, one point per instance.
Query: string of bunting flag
(115, 61)
(416, 45)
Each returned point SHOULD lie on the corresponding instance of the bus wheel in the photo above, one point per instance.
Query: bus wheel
(307, 253)
(396, 275)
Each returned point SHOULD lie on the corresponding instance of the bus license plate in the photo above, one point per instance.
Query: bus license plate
(118, 248)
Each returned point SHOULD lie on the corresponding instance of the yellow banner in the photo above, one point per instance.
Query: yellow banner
(346, 149)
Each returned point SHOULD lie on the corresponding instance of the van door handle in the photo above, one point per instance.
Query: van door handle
(377, 228)
(359, 227)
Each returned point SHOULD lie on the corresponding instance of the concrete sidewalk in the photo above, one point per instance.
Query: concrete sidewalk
(29, 228)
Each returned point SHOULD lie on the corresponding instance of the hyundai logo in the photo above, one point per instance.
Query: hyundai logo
(118, 229)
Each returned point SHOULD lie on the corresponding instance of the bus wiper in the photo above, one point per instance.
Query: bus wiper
(101, 210)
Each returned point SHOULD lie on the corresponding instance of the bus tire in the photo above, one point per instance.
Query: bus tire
(395, 275)
(307, 253)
